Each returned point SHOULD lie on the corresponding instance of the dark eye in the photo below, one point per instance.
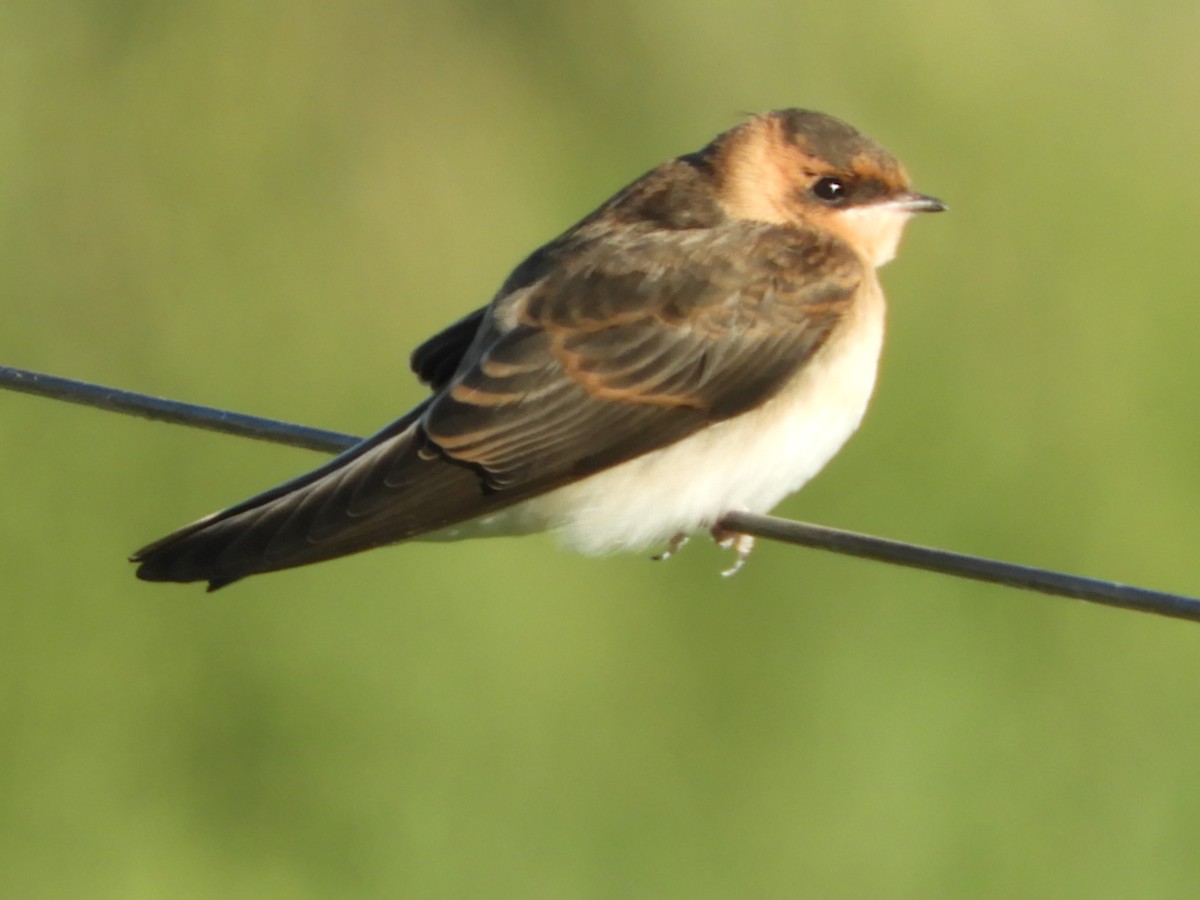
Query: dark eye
(830, 189)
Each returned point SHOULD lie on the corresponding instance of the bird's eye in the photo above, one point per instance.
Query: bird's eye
(830, 189)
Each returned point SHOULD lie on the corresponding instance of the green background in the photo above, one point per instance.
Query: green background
(265, 206)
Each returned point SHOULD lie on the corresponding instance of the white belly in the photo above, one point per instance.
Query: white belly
(748, 463)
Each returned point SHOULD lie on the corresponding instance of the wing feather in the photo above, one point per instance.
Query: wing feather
(585, 368)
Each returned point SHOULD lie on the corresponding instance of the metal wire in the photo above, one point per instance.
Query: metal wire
(946, 562)
(159, 409)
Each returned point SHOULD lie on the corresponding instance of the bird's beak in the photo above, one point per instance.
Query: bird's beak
(915, 203)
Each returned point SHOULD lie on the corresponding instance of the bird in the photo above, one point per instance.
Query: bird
(702, 343)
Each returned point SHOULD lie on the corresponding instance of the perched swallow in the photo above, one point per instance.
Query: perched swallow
(702, 343)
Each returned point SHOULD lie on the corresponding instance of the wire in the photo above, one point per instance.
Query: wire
(148, 407)
(771, 528)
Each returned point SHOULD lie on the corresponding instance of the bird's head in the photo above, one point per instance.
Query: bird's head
(803, 168)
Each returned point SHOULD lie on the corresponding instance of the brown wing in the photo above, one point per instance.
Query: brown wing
(597, 352)
(613, 356)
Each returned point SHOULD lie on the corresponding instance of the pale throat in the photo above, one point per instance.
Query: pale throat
(874, 231)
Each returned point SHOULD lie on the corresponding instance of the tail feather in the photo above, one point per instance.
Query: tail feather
(381, 491)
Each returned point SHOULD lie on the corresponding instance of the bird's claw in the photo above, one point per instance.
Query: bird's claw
(741, 544)
(673, 547)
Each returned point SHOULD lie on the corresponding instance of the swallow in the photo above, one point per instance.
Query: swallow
(702, 343)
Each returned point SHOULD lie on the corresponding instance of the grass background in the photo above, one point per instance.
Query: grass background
(265, 207)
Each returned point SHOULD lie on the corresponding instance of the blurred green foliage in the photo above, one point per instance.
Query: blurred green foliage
(265, 206)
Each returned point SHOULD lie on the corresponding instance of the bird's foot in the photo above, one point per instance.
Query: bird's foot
(673, 547)
(741, 544)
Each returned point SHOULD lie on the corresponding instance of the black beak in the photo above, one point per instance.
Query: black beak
(918, 203)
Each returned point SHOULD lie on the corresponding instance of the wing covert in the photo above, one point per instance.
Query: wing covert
(618, 354)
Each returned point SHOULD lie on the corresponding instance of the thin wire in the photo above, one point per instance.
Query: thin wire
(148, 407)
(961, 565)
(767, 527)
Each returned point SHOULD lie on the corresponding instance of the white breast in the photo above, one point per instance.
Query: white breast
(748, 463)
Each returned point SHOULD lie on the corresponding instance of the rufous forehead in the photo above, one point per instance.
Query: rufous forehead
(864, 166)
(821, 144)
